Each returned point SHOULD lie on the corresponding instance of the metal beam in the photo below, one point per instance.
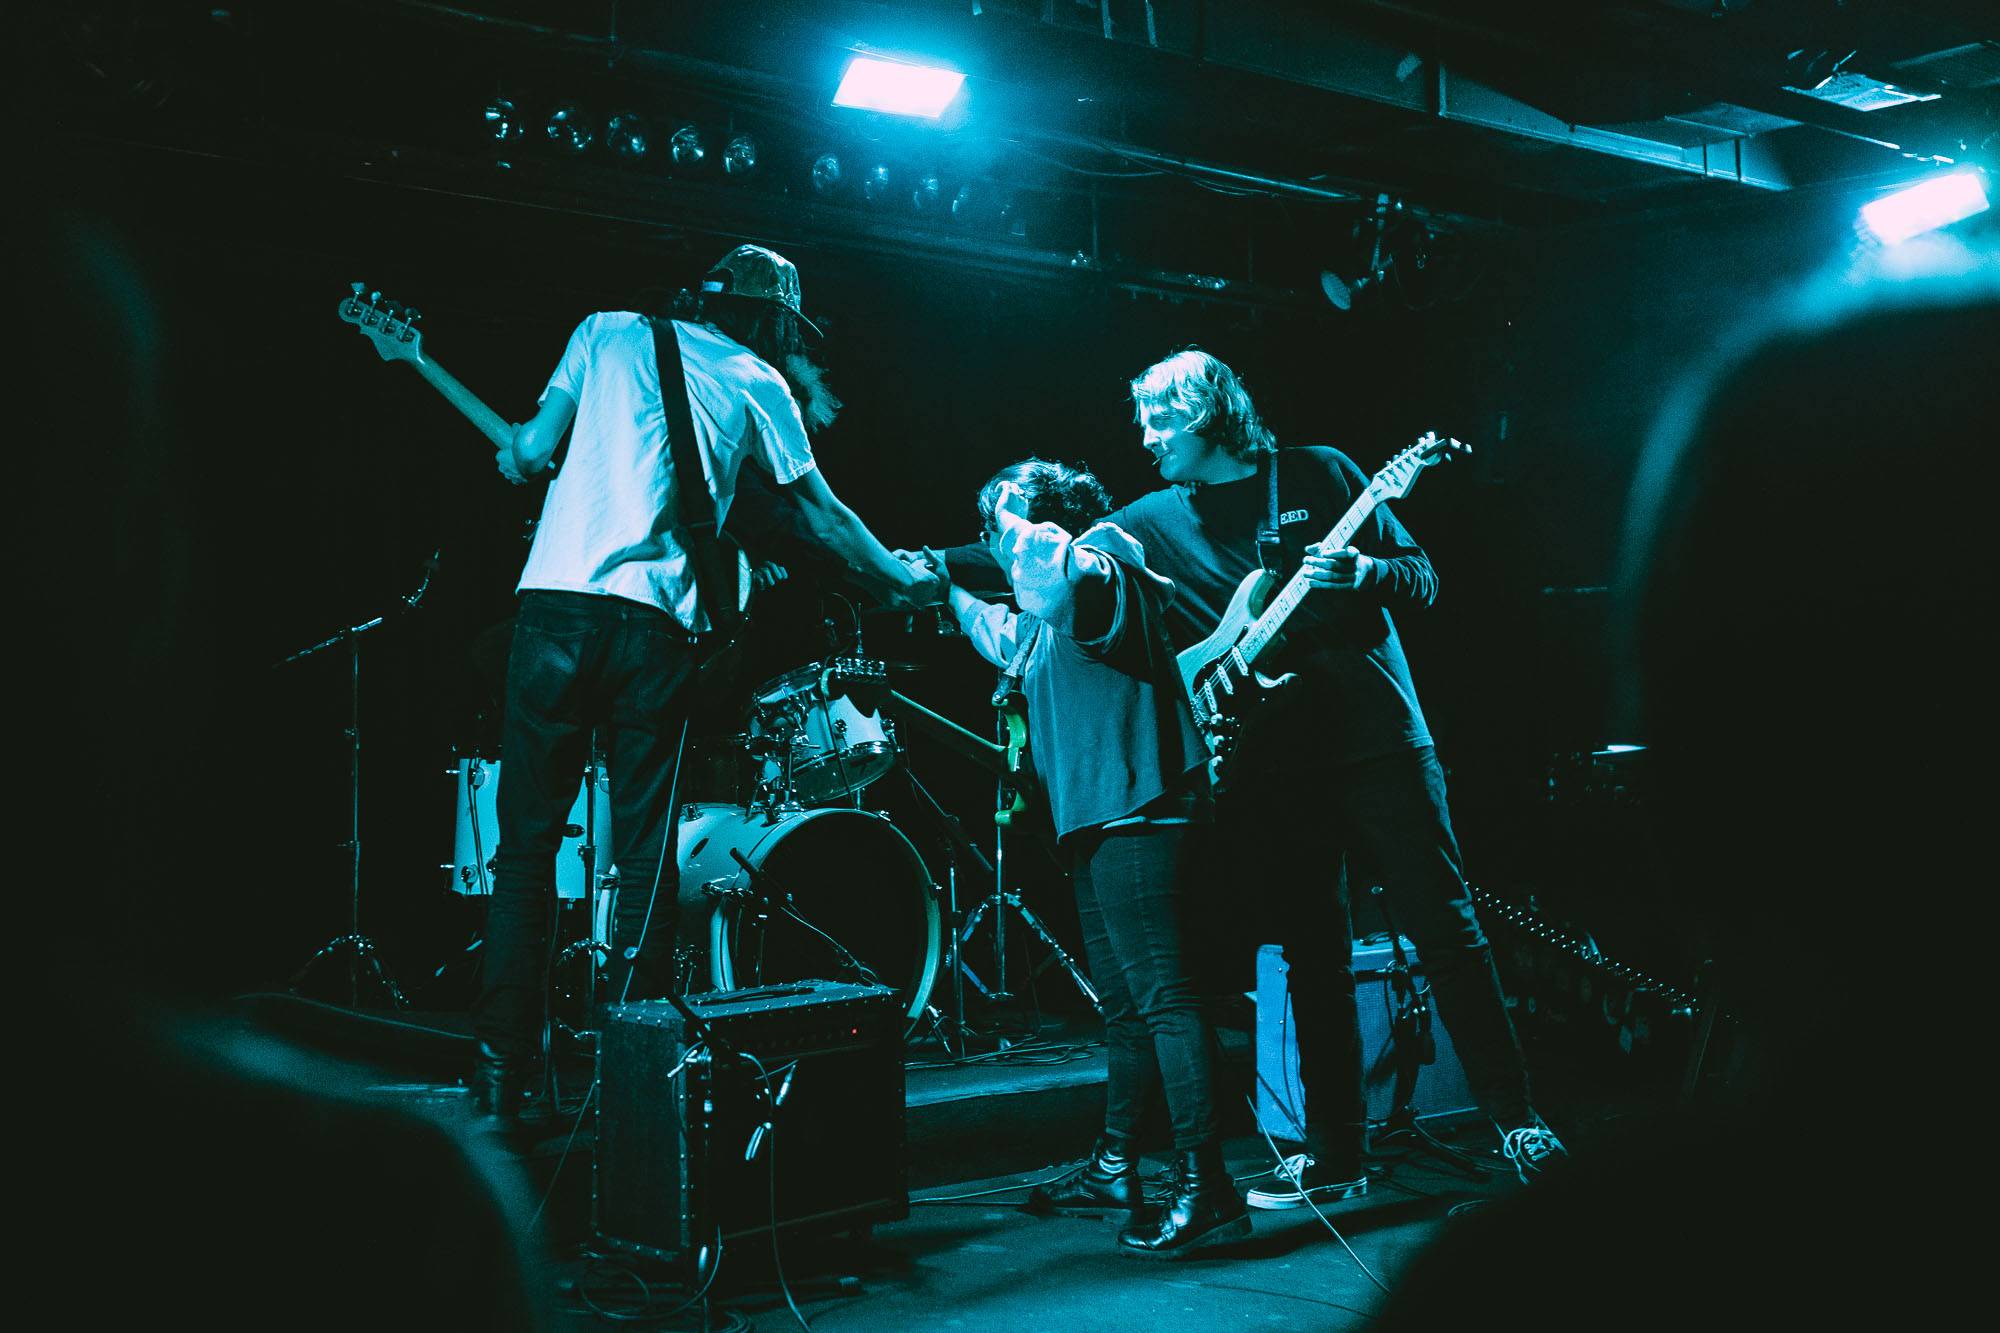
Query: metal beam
(1745, 159)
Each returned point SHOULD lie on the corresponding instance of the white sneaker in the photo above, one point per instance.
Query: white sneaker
(1299, 1178)
(1532, 1148)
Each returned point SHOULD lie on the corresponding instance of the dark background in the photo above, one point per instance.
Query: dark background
(303, 483)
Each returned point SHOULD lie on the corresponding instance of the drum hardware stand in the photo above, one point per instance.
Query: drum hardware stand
(999, 902)
(952, 1026)
(359, 948)
(1005, 806)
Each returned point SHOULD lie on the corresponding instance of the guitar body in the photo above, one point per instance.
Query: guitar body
(1019, 775)
(1214, 653)
(1220, 673)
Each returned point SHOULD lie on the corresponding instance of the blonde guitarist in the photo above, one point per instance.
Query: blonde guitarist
(1342, 772)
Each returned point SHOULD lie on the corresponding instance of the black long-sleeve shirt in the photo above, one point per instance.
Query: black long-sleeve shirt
(1355, 698)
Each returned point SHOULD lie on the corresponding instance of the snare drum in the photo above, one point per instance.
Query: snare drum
(815, 739)
(478, 831)
(822, 859)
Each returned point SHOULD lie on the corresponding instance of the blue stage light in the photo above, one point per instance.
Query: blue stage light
(826, 173)
(898, 89)
(1934, 203)
(570, 128)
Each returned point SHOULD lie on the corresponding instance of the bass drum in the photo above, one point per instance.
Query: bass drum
(849, 873)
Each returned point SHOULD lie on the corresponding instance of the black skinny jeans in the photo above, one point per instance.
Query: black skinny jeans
(1134, 891)
(1390, 813)
(579, 662)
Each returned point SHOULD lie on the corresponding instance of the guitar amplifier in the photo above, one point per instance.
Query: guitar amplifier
(1441, 1088)
(688, 1137)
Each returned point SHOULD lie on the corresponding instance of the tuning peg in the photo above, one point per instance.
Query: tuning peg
(413, 314)
(374, 298)
(359, 287)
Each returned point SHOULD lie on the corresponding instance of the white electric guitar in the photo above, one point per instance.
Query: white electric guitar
(1220, 673)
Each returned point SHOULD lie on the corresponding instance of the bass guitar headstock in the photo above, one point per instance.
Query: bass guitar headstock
(392, 328)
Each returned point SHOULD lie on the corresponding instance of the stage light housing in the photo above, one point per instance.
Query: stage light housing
(928, 196)
(627, 135)
(503, 120)
(686, 147)
(826, 174)
(898, 88)
(876, 183)
(1926, 206)
(570, 128)
(1341, 292)
(739, 156)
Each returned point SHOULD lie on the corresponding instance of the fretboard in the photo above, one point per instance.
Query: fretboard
(1267, 626)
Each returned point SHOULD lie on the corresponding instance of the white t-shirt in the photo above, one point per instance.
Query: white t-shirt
(608, 525)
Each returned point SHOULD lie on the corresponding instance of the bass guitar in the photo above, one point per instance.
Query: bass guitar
(1220, 673)
(392, 329)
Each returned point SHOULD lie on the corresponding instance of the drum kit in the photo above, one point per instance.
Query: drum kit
(783, 876)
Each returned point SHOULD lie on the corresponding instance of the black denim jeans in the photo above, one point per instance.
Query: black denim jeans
(1391, 815)
(582, 662)
(1134, 892)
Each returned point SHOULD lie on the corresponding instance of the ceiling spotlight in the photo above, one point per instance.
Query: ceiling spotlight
(1937, 202)
(503, 120)
(570, 128)
(928, 196)
(876, 182)
(826, 173)
(1343, 286)
(740, 156)
(627, 135)
(1342, 291)
(898, 88)
(686, 147)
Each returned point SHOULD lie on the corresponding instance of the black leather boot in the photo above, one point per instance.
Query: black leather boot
(1109, 1180)
(1204, 1209)
(497, 1083)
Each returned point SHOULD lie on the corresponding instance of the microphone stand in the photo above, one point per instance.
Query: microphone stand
(359, 947)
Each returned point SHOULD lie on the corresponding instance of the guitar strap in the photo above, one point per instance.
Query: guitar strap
(1010, 679)
(714, 569)
(1268, 553)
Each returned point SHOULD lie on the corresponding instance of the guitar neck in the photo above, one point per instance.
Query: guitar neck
(1267, 626)
(490, 423)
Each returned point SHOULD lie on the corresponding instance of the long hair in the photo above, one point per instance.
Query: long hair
(1069, 497)
(771, 330)
(1209, 400)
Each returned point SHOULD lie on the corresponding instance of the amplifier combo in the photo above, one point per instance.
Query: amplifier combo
(804, 1080)
(1441, 1087)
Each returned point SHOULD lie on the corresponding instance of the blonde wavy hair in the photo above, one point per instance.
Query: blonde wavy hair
(1208, 399)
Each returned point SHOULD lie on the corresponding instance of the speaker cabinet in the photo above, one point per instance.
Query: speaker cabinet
(799, 1098)
(1441, 1088)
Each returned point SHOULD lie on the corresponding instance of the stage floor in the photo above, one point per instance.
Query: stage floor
(969, 1256)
